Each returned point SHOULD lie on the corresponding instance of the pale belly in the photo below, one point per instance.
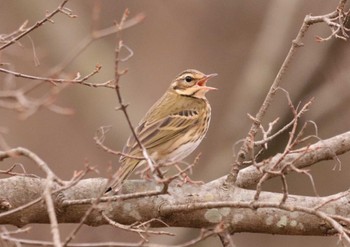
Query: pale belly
(183, 151)
(177, 154)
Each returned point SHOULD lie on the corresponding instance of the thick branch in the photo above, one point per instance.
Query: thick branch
(322, 150)
(188, 206)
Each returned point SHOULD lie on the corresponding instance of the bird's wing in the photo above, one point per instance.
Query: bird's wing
(155, 133)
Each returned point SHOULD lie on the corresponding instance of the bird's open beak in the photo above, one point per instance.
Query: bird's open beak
(202, 83)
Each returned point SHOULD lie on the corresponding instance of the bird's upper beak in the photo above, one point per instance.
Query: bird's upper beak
(202, 83)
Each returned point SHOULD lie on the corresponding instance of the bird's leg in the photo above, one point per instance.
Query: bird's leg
(147, 174)
(184, 178)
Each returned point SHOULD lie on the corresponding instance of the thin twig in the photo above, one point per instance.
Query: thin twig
(77, 79)
(99, 139)
(19, 151)
(121, 197)
(291, 143)
(36, 25)
(134, 228)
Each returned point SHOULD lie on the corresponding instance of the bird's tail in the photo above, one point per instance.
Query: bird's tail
(123, 173)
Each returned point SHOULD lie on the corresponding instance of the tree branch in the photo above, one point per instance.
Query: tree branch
(188, 206)
(322, 150)
(24, 32)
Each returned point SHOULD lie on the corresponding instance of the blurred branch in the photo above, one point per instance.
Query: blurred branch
(23, 31)
(19, 99)
(92, 37)
(11, 237)
(15, 152)
(77, 79)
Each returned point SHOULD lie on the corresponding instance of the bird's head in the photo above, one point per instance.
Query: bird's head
(192, 83)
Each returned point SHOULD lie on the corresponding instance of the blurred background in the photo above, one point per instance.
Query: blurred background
(245, 42)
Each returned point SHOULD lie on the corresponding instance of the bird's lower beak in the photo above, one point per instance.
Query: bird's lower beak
(202, 83)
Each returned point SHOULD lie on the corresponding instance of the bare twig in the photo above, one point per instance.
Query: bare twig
(19, 151)
(154, 169)
(99, 139)
(268, 138)
(10, 172)
(135, 228)
(19, 101)
(25, 31)
(293, 140)
(77, 79)
(121, 197)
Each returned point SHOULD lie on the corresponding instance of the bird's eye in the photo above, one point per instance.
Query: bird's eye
(188, 78)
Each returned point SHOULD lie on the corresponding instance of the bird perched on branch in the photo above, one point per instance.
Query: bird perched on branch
(172, 128)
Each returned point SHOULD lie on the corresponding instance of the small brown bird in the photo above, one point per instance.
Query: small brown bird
(173, 127)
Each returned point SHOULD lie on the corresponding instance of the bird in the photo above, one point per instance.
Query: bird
(172, 128)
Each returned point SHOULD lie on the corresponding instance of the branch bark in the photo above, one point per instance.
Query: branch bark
(322, 150)
(189, 206)
(194, 206)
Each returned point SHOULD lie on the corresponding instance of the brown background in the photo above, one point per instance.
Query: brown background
(244, 42)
